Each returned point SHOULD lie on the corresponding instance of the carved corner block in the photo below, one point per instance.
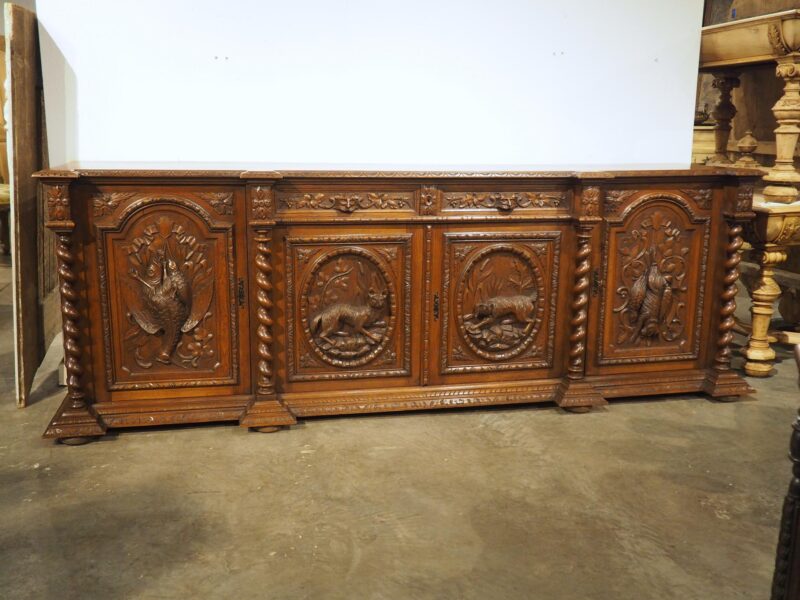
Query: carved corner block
(725, 385)
(57, 201)
(74, 424)
(266, 412)
(261, 203)
(578, 394)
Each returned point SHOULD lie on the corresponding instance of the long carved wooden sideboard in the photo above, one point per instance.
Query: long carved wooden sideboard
(261, 297)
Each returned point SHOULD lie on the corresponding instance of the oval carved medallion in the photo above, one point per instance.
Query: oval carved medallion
(499, 309)
(348, 307)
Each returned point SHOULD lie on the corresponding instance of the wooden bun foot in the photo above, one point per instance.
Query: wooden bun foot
(268, 428)
(76, 441)
(578, 410)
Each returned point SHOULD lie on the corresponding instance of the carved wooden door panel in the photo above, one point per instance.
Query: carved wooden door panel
(349, 300)
(493, 304)
(652, 300)
(169, 270)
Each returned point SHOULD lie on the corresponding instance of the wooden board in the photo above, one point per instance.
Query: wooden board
(24, 153)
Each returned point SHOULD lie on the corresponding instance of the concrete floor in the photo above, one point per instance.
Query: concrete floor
(666, 498)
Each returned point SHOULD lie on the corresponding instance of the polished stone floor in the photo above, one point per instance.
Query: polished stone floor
(665, 498)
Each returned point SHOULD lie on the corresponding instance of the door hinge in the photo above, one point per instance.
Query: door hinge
(596, 281)
(241, 292)
(436, 307)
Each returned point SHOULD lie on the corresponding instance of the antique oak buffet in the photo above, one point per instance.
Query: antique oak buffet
(264, 296)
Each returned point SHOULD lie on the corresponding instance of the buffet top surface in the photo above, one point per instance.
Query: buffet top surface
(261, 171)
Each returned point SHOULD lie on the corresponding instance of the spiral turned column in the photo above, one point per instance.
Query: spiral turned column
(265, 385)
(71, 321)
(580, 302)
(722, 359)
(574, 393)
(266, 412)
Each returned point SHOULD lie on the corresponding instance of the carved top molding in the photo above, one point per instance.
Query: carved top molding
(185, 171)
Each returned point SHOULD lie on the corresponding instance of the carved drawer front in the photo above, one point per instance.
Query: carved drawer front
(655, 276)
(167, 277)
(497, 311)
(349, 306)
(345, 202)
(505, 203)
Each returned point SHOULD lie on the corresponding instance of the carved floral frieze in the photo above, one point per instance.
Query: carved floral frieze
(348, 202)
(503, 201)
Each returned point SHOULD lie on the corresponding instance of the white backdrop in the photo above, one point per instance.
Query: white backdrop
(412, 83)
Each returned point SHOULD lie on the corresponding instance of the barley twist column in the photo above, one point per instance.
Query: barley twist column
(75, 422)
(722, 359)
(264, 312)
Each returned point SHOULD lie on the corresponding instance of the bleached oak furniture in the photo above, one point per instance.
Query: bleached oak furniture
(262, 297)
(726, 49)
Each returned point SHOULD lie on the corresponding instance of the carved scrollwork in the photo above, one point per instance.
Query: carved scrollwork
(348, 307)
(744, 198)
(348, 202)
(222, 202)
(503, 201)
(615, 199)
(106, 203)
(701, 196)
(497, 301)
(169, 288)
(653, 288)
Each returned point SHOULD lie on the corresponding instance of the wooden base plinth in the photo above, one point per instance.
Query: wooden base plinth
(725, 385)
(266, 415)
(578, 396)
(74, 426)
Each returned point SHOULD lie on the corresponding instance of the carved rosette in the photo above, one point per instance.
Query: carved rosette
(498, 305)
(348, 307)
(428, 200)
(590, 201)
(261, 203)
(701, 196)
(57, 197)
(265, 384)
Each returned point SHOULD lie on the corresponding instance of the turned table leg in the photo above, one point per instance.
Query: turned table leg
(759, 354)
(723, 114)
(783, 177)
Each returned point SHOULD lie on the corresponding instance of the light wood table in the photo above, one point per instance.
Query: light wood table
(726, 50)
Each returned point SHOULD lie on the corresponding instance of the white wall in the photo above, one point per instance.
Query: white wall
(426, 83)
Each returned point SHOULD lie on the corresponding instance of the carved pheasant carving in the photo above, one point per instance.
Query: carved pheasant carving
(174, 290)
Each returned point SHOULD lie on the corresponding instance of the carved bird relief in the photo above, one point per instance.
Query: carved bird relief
(170, 288)
(651, 299)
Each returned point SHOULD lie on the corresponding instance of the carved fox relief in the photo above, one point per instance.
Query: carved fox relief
(169, 289)
(498, 297)
(347, 308)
